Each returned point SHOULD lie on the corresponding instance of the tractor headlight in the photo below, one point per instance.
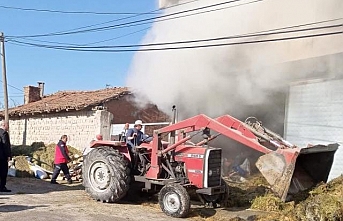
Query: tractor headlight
(210, 173)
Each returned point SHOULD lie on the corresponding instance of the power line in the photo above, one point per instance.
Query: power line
(256, 34)
(73, 12)
(139, 23)
(132, 23)
(14, 87)
(265, 33)
(115, 20)
(191, 47)
(121, 36)
(13, 96)
(252, 34)
(85, 44)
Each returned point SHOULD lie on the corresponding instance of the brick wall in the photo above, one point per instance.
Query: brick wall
(80, 126)
(31, 94)
(124, 110)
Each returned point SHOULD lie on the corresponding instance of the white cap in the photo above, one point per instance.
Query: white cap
(138, 122)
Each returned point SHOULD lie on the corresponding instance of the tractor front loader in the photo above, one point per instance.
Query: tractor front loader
(287, 168)
(175, 167)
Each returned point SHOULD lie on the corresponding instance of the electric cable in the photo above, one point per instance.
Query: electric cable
(127, 24)
(252, 34)
(13, 87)
(119, 26)
(190, 47)
(139, 24)
(72, 12)
(85, 44)
(260, 34)
(115, 20)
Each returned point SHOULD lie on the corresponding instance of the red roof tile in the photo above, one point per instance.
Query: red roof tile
(69, 100)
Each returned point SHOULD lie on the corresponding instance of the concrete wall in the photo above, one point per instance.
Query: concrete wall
(80, 126)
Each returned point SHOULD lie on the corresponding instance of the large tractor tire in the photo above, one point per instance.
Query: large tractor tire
(217, 200)
(174, 200)
(106, 175)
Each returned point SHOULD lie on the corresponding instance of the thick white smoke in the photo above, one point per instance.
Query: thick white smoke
(229, 79)
(167, 3)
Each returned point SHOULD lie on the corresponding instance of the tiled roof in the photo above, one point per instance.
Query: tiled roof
(69, 100)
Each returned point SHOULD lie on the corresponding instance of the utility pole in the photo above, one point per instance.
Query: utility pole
(4, 78)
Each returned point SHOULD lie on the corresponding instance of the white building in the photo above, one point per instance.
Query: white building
(315, 115)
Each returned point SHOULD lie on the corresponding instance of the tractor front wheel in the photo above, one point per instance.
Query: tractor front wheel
(106, 174)
(174, 200)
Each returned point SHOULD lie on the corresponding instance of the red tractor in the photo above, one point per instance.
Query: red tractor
(179, 165)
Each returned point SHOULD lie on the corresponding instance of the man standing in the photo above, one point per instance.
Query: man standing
(122, 135)
(61, 160)
(5, 155)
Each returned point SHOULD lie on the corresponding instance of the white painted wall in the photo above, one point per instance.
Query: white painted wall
(315, 116)
(80, 126)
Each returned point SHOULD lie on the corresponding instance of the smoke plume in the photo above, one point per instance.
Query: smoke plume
(239, 80)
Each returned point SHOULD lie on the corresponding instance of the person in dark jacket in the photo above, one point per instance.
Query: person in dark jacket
(135, 137)
(5, 155)
(61, 160)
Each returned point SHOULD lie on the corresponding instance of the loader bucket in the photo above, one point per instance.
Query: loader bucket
(289, 171)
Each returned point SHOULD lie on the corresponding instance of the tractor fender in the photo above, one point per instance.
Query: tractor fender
(117, 145)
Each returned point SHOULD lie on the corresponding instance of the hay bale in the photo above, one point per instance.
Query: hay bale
(45, 155)
(23, 150)
(22, 167)
(324, 202)
(73, 151)
(320, 207)
(269, 203)
(41, 154)
(37, 145)
(243, 193)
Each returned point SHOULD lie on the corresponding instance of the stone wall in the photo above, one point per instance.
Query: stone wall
(80, 126)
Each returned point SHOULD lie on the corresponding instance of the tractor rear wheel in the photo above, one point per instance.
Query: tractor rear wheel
(174, 200)
(217, 199)
(106, 174)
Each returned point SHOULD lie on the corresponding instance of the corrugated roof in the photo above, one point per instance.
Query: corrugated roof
(69, 100)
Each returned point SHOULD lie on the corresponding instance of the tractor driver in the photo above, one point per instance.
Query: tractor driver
(134, 136)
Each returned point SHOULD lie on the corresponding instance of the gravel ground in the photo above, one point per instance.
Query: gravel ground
(34, 199)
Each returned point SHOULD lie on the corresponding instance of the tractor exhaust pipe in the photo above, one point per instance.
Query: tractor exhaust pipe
(172, 134)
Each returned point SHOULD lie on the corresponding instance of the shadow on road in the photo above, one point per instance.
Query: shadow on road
(16, 208)
(37, 186)
(202, 212)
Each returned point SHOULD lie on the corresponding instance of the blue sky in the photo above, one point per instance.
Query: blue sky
(67, 70)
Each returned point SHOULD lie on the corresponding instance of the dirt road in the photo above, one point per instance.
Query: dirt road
(34, 199)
